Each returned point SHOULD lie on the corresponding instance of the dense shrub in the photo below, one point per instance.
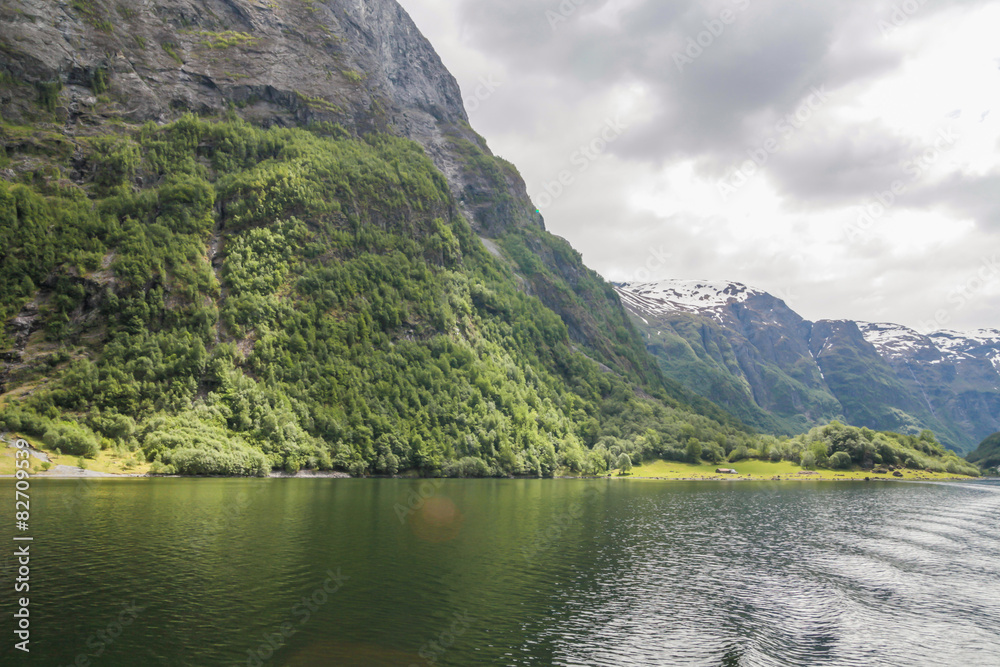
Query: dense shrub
(739, 454)
(840, 461)
(73, 439)
(243, 462)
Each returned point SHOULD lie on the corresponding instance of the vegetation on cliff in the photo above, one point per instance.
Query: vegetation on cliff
(987, 455)
(226, 299)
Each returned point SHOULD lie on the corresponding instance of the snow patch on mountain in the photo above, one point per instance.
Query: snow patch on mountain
(688, 296)
(712, 298)
(894, 341)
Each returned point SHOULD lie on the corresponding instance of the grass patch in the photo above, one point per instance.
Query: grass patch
(171, 50)
(108, 460)
(318, 103)
(127, 12)
(765, 470)
(352, 76)
(224, 40)
(92, 15)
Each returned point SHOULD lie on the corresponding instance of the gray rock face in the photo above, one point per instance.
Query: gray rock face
(360, 63)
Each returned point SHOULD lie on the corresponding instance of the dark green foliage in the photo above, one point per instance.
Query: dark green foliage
(115, 160)
(99, 81)
(987, 455)
(869, 390)
(837, 445)
(695, 351)
(693, 451)
(48, 94)
(840, 461)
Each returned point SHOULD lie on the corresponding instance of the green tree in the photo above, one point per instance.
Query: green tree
(693, 451)
(808, 461)
(840, 461)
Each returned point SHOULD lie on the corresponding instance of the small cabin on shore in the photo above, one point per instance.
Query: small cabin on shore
(726, 471)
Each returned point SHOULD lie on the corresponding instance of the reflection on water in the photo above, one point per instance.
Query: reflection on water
(512, 572)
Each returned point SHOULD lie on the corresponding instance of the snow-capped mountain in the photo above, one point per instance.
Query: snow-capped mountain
(689, 296)
(894, 341)
(747, 350)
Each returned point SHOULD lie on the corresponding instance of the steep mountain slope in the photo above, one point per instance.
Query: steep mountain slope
(322, 266)
(361, 65)
(739, 347)
(956, 375)
(748, 351)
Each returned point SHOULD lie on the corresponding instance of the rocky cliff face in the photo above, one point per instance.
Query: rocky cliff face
(71, 71)
(754, 355)
(358, 63)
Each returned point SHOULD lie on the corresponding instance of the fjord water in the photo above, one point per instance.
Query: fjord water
(509, 572)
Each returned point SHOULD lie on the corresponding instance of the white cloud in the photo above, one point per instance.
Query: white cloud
(656, 189)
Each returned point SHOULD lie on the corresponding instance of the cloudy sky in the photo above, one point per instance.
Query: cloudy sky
(841, 155)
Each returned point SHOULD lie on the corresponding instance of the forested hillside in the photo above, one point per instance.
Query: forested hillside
(223, 298)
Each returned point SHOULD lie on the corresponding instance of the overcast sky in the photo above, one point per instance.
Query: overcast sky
(841, 155)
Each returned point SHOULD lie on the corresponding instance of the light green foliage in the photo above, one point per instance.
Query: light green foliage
(849, 446)
(693, 451)
(72, 438)
(92, 14)
(739, 454)
(171, 50)
(352, 76)
(225, 39)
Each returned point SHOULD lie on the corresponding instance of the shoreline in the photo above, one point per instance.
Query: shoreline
(331, 474)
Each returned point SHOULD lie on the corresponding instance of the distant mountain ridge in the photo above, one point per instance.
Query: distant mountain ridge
(748, 351)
